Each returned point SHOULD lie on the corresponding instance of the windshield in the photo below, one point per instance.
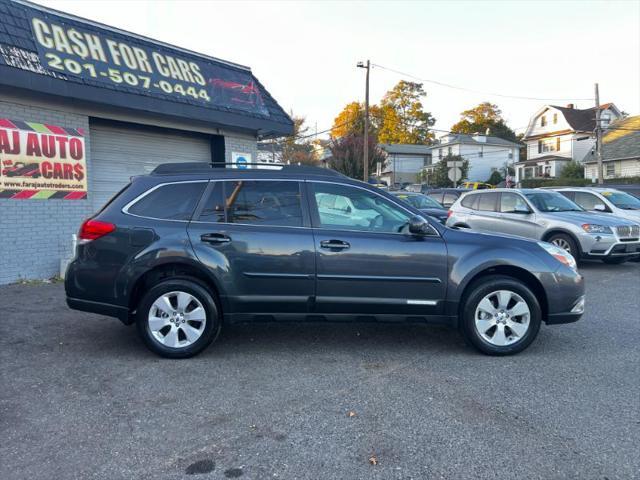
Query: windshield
(419, 201)
(552, 202)
(622, 200)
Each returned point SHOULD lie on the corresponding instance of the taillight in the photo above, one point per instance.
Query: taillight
(449, 213)
(93, 229)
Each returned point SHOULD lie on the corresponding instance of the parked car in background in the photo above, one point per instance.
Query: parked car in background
(424, 203)
(551, 217)
(417, 187)
(604, 200)
(446, 196)
(476, 185)
(188, 247)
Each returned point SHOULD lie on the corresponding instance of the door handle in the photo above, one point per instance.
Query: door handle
(215, 238)
(334, 244)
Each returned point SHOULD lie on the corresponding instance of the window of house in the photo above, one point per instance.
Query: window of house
(548, 145)
(555, 118)
(605, 119)
(481, 152)
(440, 153)
(175, 201)
(528, 172)
(543, 121)
(263, 203)
(611, 169)
(510, 154)
(539, 170)
(449, 151)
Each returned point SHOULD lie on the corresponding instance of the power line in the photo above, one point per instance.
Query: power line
(448, 85)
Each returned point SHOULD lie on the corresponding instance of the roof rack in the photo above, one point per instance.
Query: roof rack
(201, 167)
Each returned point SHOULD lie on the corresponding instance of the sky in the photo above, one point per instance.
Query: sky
(305, 53)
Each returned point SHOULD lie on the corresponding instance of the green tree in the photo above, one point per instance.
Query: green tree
(572, 169)
(485, 116)
(403, 119)
(440, 175)
(296, 150)
(347, 155)
(495, 178)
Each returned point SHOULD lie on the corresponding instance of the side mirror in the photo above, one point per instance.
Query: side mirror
(599, 207)
(419, 226)
(522, 210)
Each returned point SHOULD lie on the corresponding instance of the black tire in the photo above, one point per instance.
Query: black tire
(483, 287)
(564, 238)
(212, 325)
(615, 260)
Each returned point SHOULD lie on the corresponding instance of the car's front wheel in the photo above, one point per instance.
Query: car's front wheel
(500, 316)
(567, 243)
(178, 318)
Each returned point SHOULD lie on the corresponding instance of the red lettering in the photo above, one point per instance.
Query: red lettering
(57, 171)
(5, 144)
(68, 171)
(62, 145)
(33, 145)
(79, 169)
(48, 144)
(75, 148)
(45, 169)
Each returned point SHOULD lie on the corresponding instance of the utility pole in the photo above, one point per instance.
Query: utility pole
(599, 138)
(366, 121)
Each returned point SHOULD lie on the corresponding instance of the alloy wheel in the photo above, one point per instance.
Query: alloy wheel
(177, 319)
(502, 318)
(562, 243)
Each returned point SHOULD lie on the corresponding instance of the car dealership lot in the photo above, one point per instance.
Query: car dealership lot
(80, 397)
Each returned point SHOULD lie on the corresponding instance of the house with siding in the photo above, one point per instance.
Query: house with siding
(620, 151)
(403, 162)
(484, 152)
(556, 135)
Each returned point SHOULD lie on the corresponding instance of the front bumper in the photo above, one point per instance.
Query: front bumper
(568, 317)
(598, 246)
(565, 295)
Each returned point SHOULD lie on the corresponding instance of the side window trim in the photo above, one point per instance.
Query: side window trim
(126, 208)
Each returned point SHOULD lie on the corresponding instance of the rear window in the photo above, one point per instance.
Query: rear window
(437, 196)
(449, 198)
(470, 201)
(174, 201)
(488, 202)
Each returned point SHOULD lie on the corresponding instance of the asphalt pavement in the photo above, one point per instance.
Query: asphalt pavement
(81, 398)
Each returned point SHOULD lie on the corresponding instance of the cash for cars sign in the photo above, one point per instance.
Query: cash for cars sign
(39, 161)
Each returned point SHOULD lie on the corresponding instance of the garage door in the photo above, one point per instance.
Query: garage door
(119, 152)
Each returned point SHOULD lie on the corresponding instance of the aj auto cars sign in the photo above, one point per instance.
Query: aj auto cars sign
(131, 64)
(41, 161)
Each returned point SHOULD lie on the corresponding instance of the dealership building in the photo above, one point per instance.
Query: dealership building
(84, 107)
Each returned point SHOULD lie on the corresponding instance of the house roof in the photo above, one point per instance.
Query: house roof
(406, 149)
(620, 141)
(456, 138)
(222, 94)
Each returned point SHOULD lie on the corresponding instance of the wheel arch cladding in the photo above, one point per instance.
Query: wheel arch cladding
(172, 270)
(517, 273)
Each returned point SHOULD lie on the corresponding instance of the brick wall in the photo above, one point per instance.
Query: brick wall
(36, 234)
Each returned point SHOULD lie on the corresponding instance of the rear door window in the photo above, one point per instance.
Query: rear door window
(437, 196)
(263, 203)
(488, 202)
(588, 201)
(512, 202)
(173, 201)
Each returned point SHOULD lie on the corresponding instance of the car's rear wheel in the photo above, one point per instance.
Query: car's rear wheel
(500, 316)
(178, 318)
(614, 260)
(565, 242)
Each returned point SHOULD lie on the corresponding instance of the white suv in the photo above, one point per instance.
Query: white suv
(604, 200)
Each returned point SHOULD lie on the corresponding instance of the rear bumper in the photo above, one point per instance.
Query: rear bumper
(122, 313)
